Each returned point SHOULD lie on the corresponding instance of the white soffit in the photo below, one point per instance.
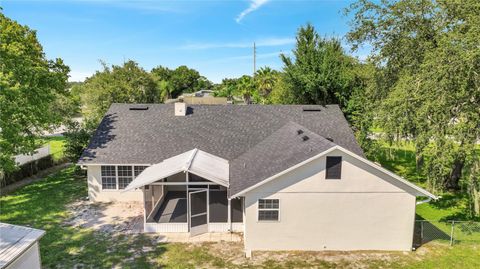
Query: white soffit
(194, 161)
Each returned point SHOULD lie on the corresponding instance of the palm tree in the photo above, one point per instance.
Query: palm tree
(165, 88)
(265, 79)
(246, 88)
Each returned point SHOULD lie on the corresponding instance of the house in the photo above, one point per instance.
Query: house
(19, 247)
(289, 177)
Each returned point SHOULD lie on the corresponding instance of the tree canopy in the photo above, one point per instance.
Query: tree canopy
(427, 81)
(182, 79)
(127, 83)
(32, 91)
(320, 71)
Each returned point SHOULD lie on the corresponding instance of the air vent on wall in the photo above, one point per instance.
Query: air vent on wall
(138, 108)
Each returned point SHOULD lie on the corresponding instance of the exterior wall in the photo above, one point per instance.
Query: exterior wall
(96, 194)
(213, 227)
(365, 210)
(29, 259)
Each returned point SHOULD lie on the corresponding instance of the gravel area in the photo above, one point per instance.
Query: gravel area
(107, 217)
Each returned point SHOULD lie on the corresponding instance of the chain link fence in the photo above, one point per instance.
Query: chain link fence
(451, 232)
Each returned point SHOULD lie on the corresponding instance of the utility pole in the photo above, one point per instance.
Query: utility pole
(254, 60)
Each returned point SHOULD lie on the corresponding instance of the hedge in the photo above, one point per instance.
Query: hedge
(27, 170)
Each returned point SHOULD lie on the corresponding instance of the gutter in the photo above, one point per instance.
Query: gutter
(426, 200)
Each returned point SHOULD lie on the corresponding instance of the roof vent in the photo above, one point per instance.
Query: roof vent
(299, 131)
(138, 108)
(311, 109)
(305, 138)
(180, 109)
(329, 139)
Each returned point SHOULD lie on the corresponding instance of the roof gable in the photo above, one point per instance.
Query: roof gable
(286, 147)
(402, 183)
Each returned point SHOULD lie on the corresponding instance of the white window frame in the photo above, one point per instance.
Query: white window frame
(116, 178)
(132, 177)
(117, 185)
(268, 209)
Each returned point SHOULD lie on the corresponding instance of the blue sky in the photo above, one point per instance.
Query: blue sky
(215, 37)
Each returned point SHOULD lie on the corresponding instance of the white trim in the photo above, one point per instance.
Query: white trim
(268, 209)
(282, 173)
(191, 183)
(397, 177)
(381, 169)
(189, 162)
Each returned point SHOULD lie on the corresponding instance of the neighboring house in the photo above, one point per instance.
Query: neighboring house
(19, 247)
(287, 177)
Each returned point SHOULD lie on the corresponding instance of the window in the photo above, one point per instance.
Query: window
(138, 170)
(124, 176)
(334, 167)
(268, 209)
(109, 179)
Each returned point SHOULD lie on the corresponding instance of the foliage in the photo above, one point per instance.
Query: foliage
(265, 81)
(281, 93)
(128, 83)
(245, 87)
(77, 137)
(33, 95)
(180, 80)
(428, 86)
(44, 205)
(320, 71)
(226, 88)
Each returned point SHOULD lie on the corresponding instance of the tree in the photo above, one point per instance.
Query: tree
(30, 87)
(128, 83)
(427, 79)
(265, 79)
(180, 80)
(246, 88)
(319, 72)
(226, 88)
(77, 137)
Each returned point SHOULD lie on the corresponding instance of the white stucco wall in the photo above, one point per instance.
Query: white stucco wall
(29, 259)
(96, 194)
(365, 210)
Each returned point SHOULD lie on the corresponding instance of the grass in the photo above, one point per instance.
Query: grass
(57, 144)
(43, 205)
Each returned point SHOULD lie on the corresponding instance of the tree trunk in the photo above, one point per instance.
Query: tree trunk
(451, 182)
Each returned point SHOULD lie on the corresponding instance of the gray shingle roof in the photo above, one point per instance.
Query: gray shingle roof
(281, 150)
(228, 131)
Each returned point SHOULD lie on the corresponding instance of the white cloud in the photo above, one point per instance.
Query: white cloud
(267, 42)
(254, 5)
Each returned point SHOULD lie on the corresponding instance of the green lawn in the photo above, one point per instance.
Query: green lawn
(43, 205)
(57, 144)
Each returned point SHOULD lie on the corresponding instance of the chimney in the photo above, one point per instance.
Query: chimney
(180, 109)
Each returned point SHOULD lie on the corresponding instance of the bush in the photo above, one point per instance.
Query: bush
(27, 170)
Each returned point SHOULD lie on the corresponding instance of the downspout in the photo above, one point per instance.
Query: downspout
(229, 218)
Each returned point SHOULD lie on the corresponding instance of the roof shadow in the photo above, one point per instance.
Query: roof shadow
(101, 138)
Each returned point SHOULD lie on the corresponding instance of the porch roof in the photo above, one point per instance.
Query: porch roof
(195, 161)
